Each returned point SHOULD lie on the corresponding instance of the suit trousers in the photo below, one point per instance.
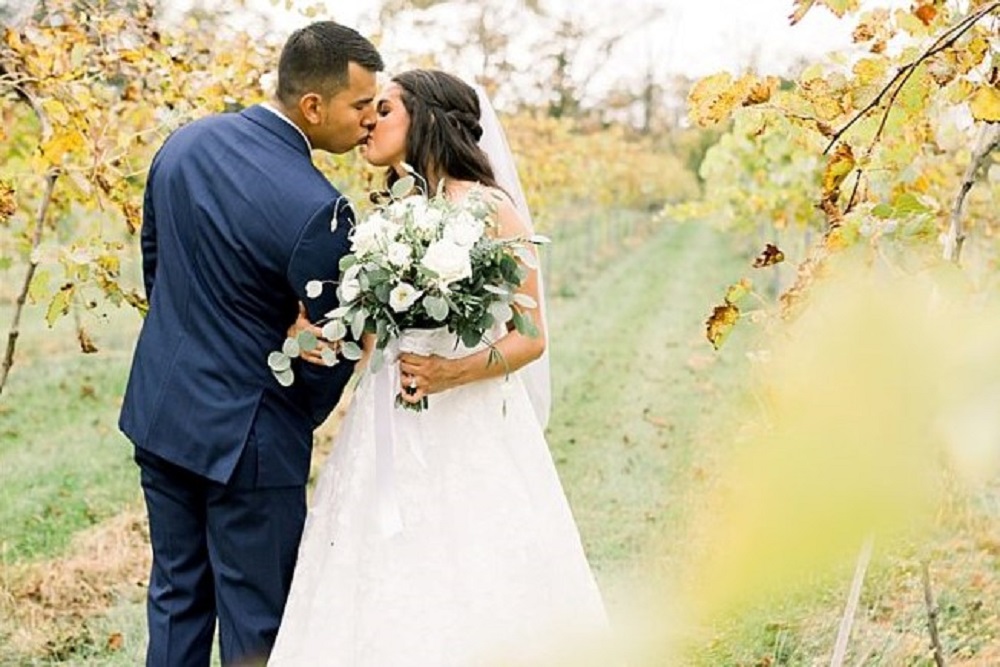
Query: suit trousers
(221, 552)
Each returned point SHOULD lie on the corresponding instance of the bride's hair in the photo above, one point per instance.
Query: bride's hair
(444, 128)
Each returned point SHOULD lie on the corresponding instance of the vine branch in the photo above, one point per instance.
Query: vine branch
(36, 240)
(932, 614)
(946, 39)
(986, 142)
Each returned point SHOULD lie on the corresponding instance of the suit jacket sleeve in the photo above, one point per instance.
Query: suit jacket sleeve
(317, 257)
(147, 240)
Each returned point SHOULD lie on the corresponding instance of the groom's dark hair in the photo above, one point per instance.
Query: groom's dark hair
(315, 58)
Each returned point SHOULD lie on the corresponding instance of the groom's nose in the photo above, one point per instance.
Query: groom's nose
(369, 119)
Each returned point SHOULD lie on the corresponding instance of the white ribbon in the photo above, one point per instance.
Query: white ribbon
(390, 520)
(386, 388)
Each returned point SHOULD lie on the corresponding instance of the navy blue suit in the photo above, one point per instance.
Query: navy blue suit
(236, 220)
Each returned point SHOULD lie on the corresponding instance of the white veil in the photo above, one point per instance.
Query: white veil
(535, 376)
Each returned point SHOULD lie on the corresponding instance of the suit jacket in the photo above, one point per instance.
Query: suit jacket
(236, 220)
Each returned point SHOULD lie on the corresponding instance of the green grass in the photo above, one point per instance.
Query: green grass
(63, 464)
(629, 393)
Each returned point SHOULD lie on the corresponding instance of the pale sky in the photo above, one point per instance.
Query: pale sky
(693, 37)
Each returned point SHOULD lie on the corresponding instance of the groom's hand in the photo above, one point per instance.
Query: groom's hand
(302, 323)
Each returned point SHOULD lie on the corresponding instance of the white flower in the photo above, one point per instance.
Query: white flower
(403, 296)
(366, 236)
(448, 260)
(465, 229)
(399, 254)
(414, 204)
(428, 221)
(314, 288)
(349, 290)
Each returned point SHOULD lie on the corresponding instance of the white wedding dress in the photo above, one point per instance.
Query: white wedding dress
(445, 540)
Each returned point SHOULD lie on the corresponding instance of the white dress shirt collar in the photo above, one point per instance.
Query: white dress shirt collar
(270, 107)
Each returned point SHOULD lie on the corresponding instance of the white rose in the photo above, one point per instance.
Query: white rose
(349, 290)
(448, 260)
(465, 229)
(403, 296)
(365, 237)
(399, 255)
(428, 221)
(414, 204)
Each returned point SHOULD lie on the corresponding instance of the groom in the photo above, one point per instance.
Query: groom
(236, 220)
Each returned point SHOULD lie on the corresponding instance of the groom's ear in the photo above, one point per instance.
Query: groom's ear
(311, 106)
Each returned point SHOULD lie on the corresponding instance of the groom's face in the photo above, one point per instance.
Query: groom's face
(343, 120)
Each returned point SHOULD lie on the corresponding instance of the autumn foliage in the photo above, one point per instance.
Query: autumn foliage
(873, 151)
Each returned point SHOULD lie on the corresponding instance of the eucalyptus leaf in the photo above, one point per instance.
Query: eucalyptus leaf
(524, 324)
(347, 261)
(307, 341)
(285, 378)
(471, 338)
(527, 257)
(329, 356)
(338, 312)
(402, 187)
(291, 347)
(358, 323)
(334, 330)
(279, 361)
(501, 312)
(351, 351)
(525, 301)
(493, 289)
(436, 307)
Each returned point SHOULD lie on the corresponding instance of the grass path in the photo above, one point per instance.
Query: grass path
(635, 384)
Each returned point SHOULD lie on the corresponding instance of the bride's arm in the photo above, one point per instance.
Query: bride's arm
(435, 374)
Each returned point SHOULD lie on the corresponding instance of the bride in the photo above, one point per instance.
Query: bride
(464, 551)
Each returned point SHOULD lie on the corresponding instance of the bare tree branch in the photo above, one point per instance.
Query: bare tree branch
(36, 240)
(987, 140)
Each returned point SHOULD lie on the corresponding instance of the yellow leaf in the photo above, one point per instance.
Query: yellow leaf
(720, 323)
(8, 204)
(713, 98)
(56, 148)
(985, 104)
(800, 8)
(56, 111)
(840, 7)
(960, 91)
(840, 165)
(59, 305)
(870, 70)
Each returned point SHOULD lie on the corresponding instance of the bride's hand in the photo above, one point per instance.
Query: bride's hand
(425, 375)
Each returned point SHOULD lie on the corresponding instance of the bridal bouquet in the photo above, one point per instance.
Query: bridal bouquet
(422, 263)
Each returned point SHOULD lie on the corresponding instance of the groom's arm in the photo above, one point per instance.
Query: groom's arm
(147, 238)
(317, 257)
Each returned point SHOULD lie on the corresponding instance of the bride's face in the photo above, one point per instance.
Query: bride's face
(386, 145)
